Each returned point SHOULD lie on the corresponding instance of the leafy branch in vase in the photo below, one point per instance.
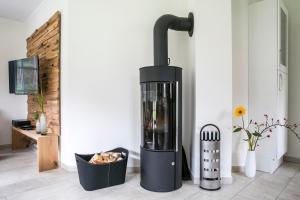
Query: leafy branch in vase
(260, 131)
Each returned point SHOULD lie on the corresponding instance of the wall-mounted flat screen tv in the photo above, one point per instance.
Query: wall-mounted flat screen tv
(23, 76)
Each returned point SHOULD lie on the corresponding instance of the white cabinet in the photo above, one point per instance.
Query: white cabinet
(268, 76)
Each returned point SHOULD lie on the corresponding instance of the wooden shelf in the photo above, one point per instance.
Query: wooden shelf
(32, 133)
(47, 146)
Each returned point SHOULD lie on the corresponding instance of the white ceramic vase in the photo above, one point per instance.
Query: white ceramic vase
(43, 124)
(38, 126)
(250, 166)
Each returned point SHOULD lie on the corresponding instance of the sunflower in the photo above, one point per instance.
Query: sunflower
(239, 111)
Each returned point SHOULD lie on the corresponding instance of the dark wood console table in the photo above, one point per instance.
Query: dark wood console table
(47, 147)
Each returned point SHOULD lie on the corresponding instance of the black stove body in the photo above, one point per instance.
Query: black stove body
(161, 104)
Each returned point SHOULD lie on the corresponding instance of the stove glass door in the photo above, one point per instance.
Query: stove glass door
(159, 130)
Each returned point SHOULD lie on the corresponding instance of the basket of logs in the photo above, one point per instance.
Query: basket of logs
(101, 170)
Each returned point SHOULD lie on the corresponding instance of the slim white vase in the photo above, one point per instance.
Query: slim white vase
(250, 166)
(38, 127)
(43, 124)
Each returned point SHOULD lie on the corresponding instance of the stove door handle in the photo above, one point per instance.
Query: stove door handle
(176, 117)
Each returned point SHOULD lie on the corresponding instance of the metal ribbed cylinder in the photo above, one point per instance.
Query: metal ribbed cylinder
(210, 178)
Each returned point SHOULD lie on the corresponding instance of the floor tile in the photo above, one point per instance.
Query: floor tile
(239, 197)
(22, 186)
(296, 178)
(287, 169)
(20, 180)
(290, 193)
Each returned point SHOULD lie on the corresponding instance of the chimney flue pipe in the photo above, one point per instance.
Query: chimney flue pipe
(160, 34)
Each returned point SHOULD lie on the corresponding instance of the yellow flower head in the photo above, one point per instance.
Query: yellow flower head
(239, 111)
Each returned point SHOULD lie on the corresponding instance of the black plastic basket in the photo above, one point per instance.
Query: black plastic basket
(93, 177)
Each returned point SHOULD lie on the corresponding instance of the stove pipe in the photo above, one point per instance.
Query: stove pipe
(160, 34)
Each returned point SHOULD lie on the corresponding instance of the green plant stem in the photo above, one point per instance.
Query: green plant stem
(243, 122)
(249, 144)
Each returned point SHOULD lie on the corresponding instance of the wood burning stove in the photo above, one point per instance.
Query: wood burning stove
(161, 104)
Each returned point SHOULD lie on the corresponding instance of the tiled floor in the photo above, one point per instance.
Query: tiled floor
(19, 179)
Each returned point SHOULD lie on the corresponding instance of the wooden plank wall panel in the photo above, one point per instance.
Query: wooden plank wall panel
(45, 43)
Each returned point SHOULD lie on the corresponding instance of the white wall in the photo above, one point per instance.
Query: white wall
(42, 13)
(104, 43)
(239, 74)
(213, 80)
(293, 7)
(110, 41)
(12, 46)
(103, 46)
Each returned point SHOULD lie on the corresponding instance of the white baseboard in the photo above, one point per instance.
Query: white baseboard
(196, 180)
(274, 167)
(133, 169)
(68, 167)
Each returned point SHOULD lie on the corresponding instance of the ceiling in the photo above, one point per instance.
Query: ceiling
(18, 9)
